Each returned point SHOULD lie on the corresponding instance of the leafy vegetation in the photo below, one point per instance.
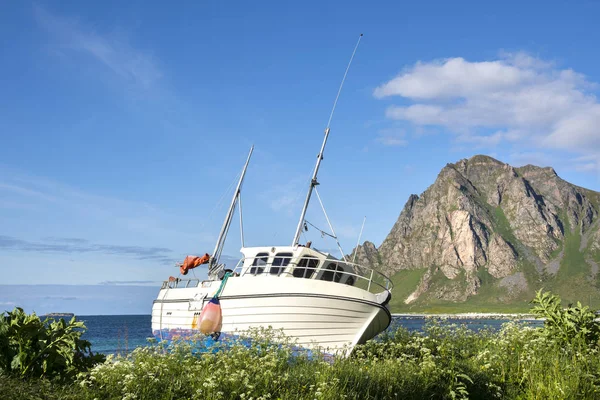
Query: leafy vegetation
(557, 361)
(572, 325)
(30, 347)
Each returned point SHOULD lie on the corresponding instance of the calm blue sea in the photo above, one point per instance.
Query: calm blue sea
(116, 333)
(122, 333)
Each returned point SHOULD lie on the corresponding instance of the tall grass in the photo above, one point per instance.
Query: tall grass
(443, 362)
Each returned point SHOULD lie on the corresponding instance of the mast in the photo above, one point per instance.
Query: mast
(214, 261)
(313, 181)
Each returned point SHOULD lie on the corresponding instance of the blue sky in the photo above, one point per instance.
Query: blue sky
(123, 124)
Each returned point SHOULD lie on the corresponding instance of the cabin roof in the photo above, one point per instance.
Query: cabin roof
(295, 250)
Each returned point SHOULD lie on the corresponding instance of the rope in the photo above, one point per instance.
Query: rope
(223, 282)
(329, 223)
(319, 229)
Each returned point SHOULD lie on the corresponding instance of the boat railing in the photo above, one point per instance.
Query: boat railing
(179, 283)
(339, 271)
(307, 267)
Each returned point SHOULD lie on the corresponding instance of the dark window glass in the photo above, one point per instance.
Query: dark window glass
(306, 267)
(330, 273)
(280, 261)
(258, 265)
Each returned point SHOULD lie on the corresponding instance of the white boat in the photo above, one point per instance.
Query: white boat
(313, 297)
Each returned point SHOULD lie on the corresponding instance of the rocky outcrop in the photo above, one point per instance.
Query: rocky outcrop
(366, 254)
(482, 216)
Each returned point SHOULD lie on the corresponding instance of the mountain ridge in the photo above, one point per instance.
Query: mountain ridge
(488, 233)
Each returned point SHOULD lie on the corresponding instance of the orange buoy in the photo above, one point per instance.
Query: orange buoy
(210, 320)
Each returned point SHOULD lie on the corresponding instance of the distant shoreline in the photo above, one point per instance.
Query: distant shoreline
(469, 315)
(59, 315)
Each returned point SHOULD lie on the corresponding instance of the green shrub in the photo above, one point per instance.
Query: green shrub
(572, 325)
(30, 347)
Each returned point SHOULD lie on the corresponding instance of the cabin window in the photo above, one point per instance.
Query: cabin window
(306, 267)
(332, 272)
(259, 263)
(280, 261)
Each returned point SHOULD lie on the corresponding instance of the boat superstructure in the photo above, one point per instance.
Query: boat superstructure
(312, 296)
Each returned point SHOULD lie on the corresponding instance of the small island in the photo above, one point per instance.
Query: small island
(51, 315)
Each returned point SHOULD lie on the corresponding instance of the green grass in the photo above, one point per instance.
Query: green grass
(405, 282)
(443, 362)
(573, 261)
(572, 281)
(488, 299)
(12, 388)
(502, 226)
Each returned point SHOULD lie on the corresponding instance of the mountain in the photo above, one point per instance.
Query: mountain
(486, 235)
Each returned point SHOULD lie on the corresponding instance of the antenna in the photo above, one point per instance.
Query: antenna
(343, 80)
(313, 181)
(358, 241)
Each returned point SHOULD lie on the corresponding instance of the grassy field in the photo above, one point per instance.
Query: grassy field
(558, 361)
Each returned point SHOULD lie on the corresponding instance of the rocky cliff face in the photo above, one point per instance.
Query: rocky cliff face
(483, 222)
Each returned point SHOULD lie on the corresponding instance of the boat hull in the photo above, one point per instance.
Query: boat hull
(332, 322)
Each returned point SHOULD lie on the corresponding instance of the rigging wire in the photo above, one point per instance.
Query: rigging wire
(217, 205)
(323, 233)
(314, 181)
(295, 198)
(241, 218)
(330, 226)
(219, 202)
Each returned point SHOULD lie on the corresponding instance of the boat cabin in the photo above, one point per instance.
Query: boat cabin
(295, 262)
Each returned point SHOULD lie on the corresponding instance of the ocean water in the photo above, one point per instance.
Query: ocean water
(111, 334)
(120, 334)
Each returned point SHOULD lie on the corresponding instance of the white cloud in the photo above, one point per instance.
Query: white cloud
(286, 197)
(113, 51)
(283, 201)
(451, 78)
(540, 159)
(46, 195)
(587, 163)
(392, 137)
(346, 231)
(586, 167)
(514, 98)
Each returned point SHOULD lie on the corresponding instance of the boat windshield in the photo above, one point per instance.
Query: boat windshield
(259, 263)
(280, 261)
(306, 267)
(332, 272)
